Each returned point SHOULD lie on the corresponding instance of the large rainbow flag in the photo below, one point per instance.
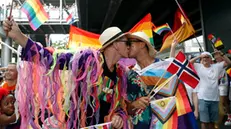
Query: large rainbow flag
(145, 25)
(35, 13)
(81, 38)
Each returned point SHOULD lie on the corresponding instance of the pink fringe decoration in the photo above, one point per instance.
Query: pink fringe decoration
(46, 89)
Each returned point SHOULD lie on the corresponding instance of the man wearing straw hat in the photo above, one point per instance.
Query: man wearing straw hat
(98, 83)
(146, 74)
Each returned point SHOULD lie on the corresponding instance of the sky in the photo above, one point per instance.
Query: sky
(57, 37)
(3, 1)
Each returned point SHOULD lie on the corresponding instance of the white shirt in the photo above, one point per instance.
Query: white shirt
(208, 85)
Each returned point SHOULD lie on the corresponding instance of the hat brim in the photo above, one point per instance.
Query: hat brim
(109, 43)
(151, 50)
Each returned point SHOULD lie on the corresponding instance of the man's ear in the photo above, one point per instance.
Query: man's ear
(115, 45)
(143, 45)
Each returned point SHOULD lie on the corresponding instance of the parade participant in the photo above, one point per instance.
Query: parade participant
(98, 92)
(223, 90)
(141, 80)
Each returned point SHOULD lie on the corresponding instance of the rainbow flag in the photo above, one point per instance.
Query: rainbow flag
(182, 100)
(145, 25)
(35, 13)
(81, 38)
(171, 124)
(162, 28)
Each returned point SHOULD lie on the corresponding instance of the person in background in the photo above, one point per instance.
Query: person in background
(208, 93)
(11, 75)
(223, 90)
(7, 111)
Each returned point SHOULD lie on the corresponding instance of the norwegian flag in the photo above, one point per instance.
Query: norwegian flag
(184, 70)
(70, 19)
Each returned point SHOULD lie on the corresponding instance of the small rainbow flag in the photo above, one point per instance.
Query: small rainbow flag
(81, 38)
(35, 13)
(162, 28)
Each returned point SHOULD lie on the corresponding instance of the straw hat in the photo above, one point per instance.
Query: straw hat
(110, 35)
(143, 37)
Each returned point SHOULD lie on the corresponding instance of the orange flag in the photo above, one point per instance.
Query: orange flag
(182, 29)
(81, 38)
(145, 25)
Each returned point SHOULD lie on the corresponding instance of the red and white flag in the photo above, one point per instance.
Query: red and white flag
(184, 70)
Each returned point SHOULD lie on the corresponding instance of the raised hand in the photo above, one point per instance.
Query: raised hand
(12, 30)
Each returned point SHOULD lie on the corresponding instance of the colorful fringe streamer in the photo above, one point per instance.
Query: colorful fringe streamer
(65, 85)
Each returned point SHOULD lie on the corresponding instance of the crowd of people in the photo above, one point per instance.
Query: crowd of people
(122, 91)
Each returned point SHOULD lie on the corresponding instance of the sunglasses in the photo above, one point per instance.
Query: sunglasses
(134, 40)
(128, 43)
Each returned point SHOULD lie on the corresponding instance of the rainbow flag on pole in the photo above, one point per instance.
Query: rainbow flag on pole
(81, 38)
(145, 25)
(35, 13)
(162, 28)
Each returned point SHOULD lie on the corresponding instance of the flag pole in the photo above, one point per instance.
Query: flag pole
(180, 9)
(9, 17)
(178, 4)
(153, 89)
(170, 28)
(171, 31)
(152, 92)
(201, 50)
(11, 48)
